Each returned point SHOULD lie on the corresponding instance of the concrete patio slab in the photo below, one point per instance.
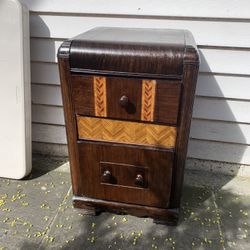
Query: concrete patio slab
(37, 213)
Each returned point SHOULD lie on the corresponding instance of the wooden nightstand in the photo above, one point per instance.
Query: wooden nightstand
(128, 97)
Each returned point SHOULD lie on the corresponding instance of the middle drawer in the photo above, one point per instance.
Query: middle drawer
(126, 132)
(126, 98)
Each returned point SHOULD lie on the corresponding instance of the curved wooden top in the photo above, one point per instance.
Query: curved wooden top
(131, 51)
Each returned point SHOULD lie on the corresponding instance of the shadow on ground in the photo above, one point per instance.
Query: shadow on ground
(42, 165)
(38, 214)
(209, 220)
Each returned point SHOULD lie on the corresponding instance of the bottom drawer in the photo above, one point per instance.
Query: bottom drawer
(125, 173)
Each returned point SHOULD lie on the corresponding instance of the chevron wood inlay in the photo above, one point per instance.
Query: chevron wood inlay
(100, 96)
(148, 100)
(126, 132)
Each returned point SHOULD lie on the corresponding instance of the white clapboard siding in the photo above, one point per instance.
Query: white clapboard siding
(204, 108)
(212, 60)
(208, 85)
(48, 114)
(212, 33)
(220, 131)
(225, 61)
(223, 86)
(181, 8)
(45, 73)
(46, 94)
(218, 151)
(44, 50)
(221, 109)
(48, 133)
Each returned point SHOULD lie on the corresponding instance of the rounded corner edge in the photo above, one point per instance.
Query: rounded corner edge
(64, 50)
(191, 54)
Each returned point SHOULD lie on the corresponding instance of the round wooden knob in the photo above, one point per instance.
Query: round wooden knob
(139, 180)
(124, 101)
(107, 176)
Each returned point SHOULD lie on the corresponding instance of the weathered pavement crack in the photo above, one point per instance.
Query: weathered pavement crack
(50, 225)
(219, 220)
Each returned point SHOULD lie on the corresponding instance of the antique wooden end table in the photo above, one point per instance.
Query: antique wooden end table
(128, 96)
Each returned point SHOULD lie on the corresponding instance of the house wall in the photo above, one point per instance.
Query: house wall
(220, 131)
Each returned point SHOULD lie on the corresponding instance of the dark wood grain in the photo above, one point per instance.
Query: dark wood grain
(70, 120)
(83, 94)
(129, 51)
(122, 86)
(189, 83)
(159, 173)
(166, 100)
(136, 179)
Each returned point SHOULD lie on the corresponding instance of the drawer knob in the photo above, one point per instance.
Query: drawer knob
(139, 180)
(124, 101)
(107, 176)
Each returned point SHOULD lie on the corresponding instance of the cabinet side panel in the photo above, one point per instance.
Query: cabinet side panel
(65, 78)
(189, 84)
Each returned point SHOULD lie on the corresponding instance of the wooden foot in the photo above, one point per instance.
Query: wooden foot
(166, 222)
(86, 210)
(96, 206)
(170, 220)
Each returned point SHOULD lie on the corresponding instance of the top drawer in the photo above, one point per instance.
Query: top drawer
(126, 98)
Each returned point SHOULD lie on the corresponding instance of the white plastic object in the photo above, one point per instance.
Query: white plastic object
(15, 96)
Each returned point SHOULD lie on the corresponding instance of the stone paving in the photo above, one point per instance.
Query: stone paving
(37, 213)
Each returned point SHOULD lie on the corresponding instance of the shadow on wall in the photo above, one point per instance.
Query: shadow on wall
(44, 88)
(215, 121)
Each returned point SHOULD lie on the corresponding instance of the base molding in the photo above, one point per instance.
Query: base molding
(95, 206)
